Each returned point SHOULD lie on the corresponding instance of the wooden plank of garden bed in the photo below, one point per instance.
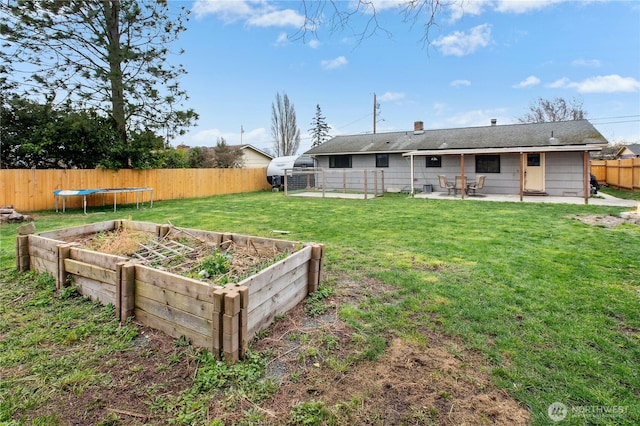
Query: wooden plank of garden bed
(256, 282)
(103, 260)
(134, 225)
(172, 315)
(42, 265)
(44, 243)
(264, 314)
(105, 293)
(182, 285)
(75, 231)
(90, 271)
(173, 330)
(276, 288)
(177, 300)
(43, 253)
(265, 242)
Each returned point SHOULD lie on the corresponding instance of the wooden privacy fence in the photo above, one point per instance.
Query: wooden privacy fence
(624, 174)
(32, 190)
(222, 319)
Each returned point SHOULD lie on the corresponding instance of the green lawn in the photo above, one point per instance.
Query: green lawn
(553, 304)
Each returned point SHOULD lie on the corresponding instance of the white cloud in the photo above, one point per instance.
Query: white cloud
(331, 64)
(391, 96)
(460, 83)
(314, 44)
(523, 6)
(586, 63)
(209, 137)
(278, 18)
(282, 39)
(600, 84)
(255, 12)
(471, 118)
(532, 80)
(460, 8)
(227, 11)
(460, 43)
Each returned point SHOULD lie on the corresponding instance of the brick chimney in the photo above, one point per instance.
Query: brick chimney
(418, 127)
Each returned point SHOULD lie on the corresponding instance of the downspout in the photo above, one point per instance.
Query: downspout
(463, 183)
(587, 178)
(521, 176)
(412, 172)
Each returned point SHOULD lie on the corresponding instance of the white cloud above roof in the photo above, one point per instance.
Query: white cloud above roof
(613, 83)
(460, 83)
(331, 64)
(532, 80)
(391, 96)
(586, 63)
(257, 13)
(460, 43)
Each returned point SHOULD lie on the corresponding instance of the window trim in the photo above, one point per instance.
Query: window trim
(487, 163)
(380, 163)
(346, 158)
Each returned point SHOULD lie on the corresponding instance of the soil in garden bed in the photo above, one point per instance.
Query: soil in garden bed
(187, 256)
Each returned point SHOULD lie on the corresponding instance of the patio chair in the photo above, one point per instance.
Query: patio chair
(478, 184)
(459, 184)
(449, 186)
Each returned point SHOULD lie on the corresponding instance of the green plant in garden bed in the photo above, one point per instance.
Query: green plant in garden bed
(550, 302)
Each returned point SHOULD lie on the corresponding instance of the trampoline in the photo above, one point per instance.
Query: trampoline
(64, 193)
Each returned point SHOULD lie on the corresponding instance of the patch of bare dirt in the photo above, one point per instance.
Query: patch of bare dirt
(607, 220)
(440, 383)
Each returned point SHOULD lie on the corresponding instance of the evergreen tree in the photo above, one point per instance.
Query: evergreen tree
(320, 130)
(108, 55)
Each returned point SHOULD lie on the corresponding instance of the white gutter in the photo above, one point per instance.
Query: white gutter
(520, 149)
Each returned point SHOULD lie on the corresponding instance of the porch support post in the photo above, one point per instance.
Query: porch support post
(412, 171)
(587, 178)
(464, 184)
(521, 176)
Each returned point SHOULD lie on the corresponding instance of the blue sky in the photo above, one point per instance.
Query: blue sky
(486, 59)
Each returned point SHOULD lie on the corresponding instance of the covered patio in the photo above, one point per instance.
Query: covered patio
(522, 194)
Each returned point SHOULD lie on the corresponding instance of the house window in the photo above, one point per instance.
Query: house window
(382, 160)
(434, 161)
(487, 164)
(340, 162)
(533, 160)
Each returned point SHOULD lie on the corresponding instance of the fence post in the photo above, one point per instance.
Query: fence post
(315, 268)
(216, 322)
(125, 290)
(231, 325)
(22, 253)
(64, 252)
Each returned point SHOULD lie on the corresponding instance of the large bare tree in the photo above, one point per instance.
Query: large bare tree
(558, 109)
(284, 127)
(108, 55)
(340, 15)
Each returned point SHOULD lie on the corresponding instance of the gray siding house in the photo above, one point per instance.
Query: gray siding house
(537, 158)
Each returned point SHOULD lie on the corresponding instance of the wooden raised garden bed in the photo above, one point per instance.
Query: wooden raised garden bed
(221, 317)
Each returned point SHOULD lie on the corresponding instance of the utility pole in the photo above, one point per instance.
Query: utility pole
(375, 107)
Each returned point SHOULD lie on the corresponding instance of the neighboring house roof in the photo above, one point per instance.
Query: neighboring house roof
(245, 147)
(629, 151)
(559, 135)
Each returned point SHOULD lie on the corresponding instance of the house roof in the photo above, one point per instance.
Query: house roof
(251, 147)
(559, 135)
(629, 151)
